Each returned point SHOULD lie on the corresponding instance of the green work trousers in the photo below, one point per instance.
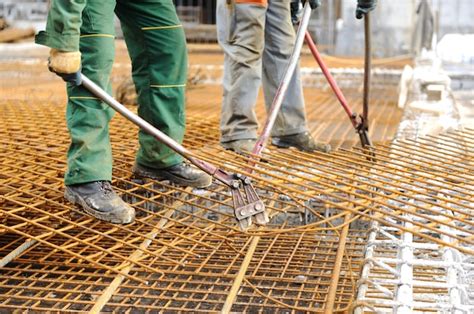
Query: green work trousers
(157, 46)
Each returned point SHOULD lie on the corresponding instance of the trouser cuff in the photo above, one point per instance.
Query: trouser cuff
(86, 179)
(243, 136)
(287, 132)
(160, 165)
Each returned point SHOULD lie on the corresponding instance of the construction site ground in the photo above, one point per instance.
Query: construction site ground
(24, 78)
(340, 222)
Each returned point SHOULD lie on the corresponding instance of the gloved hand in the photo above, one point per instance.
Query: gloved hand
(296, 9)
(364, 7)
(66, 64)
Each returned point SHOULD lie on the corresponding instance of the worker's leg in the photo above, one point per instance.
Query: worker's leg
(157, 46)
(240, 28)
(90, 153)
(279, 42)
(89, 156)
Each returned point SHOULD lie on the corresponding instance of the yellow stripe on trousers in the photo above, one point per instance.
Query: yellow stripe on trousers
(152, 28)
(97, 35)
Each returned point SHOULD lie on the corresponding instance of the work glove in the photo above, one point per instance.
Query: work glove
(296, 8)
(66, 64)
(364, 7)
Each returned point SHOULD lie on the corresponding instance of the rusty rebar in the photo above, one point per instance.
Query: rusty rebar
(194, 263)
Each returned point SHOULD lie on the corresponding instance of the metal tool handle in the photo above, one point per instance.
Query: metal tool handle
(367, 72)
(363, 128)
(135, 119)
(289, 72)
(247, 204)
(162, 137)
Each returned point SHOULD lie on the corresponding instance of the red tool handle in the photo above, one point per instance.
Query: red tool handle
(331, 81)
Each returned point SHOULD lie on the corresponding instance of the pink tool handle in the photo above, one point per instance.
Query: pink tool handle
(331, 81)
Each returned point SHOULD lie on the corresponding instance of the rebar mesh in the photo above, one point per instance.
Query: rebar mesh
(185, 251)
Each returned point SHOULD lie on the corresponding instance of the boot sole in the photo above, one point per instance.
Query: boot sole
(286, 145)
(77, 200)
(172, 178)
(281, 145)
(229, 146)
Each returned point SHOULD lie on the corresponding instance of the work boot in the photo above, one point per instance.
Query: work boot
(302, 141)
(181, 174)
(240, 146)
(98, 199)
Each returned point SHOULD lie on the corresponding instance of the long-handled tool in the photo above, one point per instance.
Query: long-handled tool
(280, 93)
(367, 75)
(246, 202)
(360, 122)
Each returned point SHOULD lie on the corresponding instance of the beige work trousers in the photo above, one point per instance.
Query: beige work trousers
(257, 41)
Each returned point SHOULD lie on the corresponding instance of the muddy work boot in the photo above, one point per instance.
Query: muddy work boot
(98, 199)
(240, 146)
(181, 174)
(302, 141)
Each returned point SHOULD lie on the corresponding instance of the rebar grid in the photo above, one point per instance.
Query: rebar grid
(201, 285)
(24, 77)
(327, 121)
(185, 251)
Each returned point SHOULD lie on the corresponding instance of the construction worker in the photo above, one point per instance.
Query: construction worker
(80, 34)
(258, 37)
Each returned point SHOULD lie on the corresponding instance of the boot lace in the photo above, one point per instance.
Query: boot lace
(106, 187)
